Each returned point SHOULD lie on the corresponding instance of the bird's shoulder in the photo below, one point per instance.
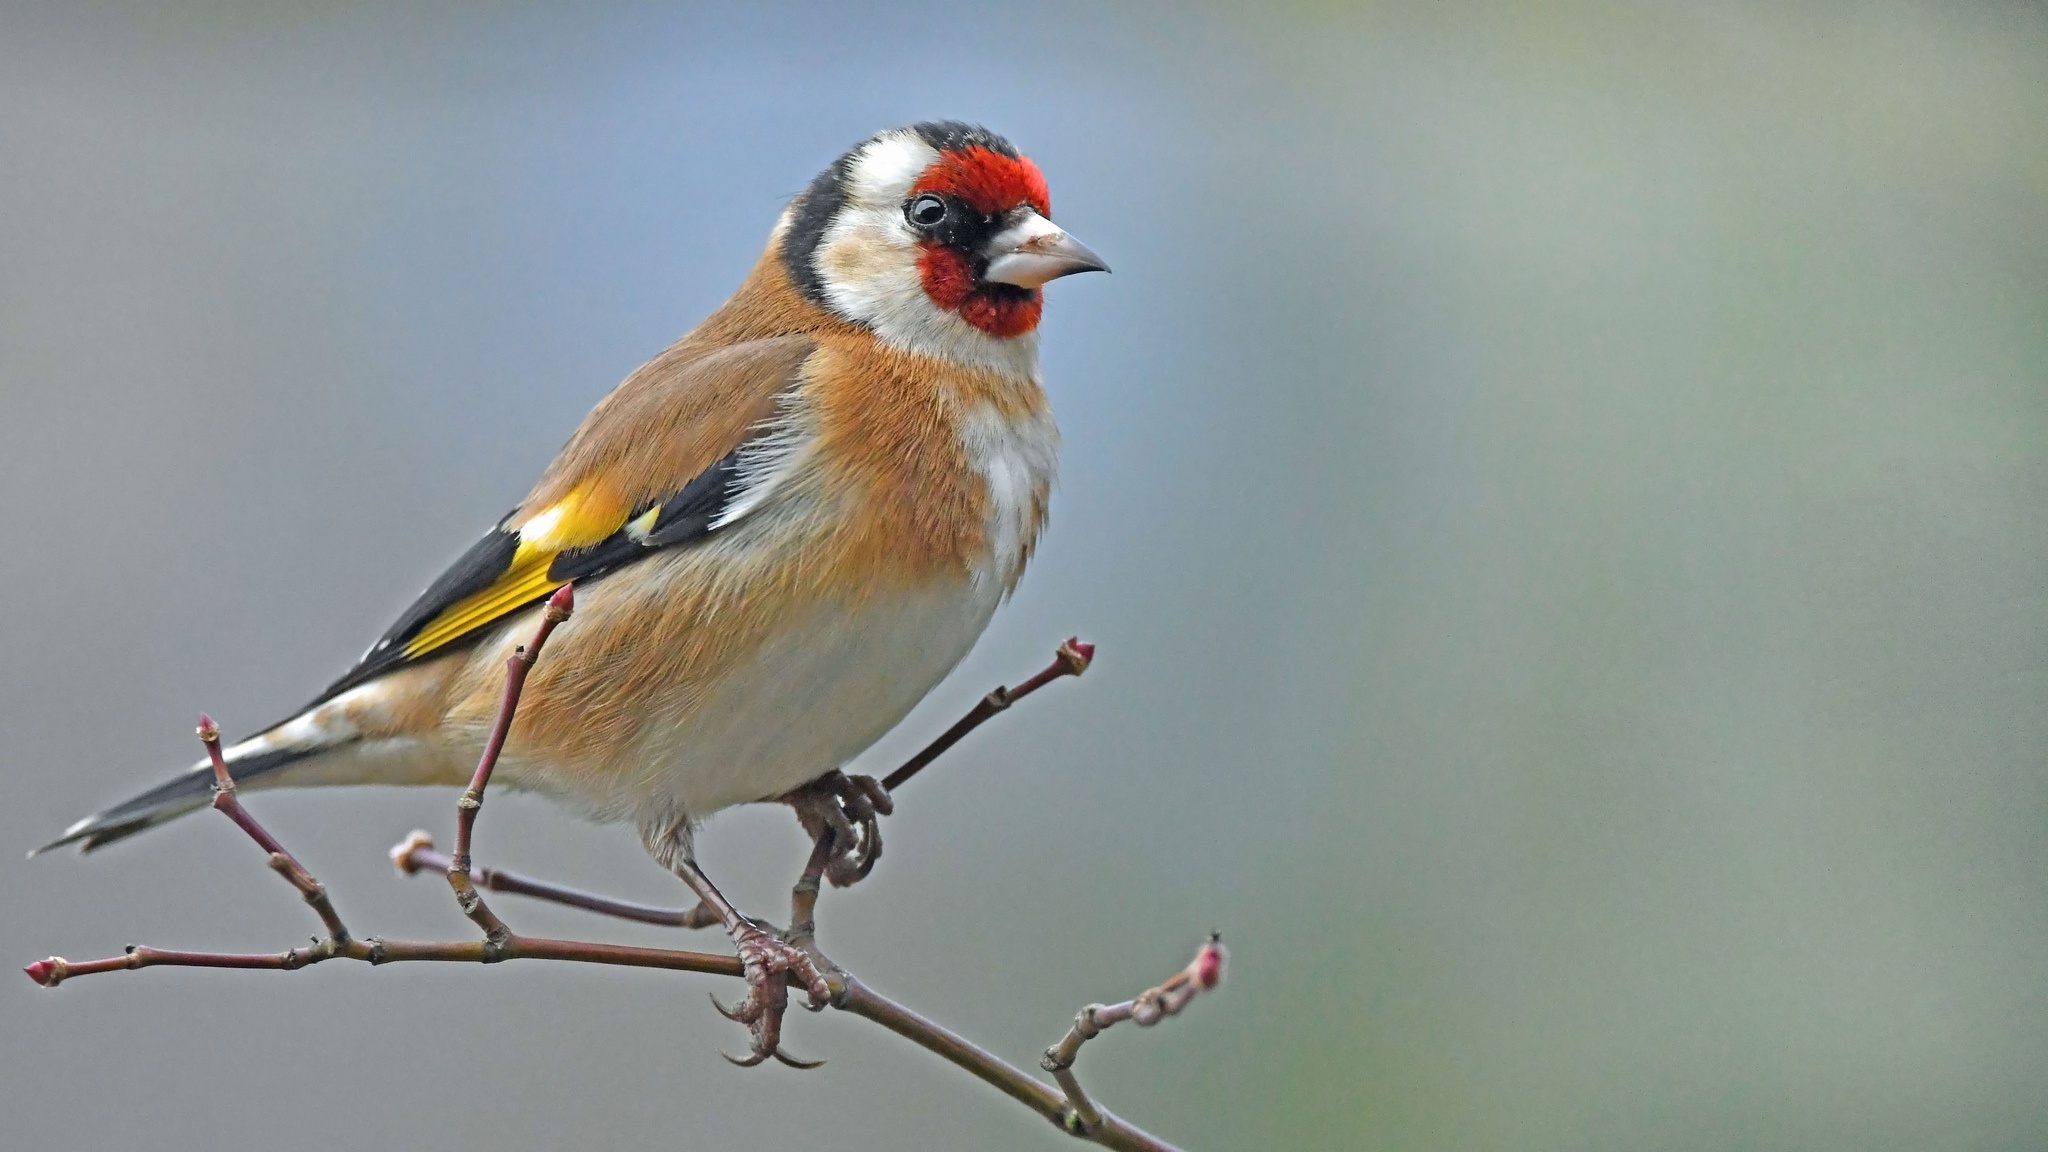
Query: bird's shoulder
(653, 466)
(671, 420)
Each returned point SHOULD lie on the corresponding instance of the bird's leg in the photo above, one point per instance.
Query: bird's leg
(803, 902)
(768, 960)
(849, 808)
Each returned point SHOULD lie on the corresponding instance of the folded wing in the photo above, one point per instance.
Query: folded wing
(652, 467)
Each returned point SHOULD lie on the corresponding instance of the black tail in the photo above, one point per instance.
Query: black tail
(189, 790)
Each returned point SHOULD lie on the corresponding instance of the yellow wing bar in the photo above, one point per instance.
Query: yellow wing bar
(578, 520)
(526, 580)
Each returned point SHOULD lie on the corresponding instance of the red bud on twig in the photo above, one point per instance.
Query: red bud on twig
(1208, 965)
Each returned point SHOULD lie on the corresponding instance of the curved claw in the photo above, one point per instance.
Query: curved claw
(770, 963)
(781, 1057)
(739, 1015)
(867, 863)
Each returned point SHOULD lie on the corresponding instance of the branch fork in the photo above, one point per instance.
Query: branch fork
(1068, 1107)
(1147, 1008)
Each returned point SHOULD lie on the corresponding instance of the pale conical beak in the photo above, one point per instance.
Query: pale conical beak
(1035, 250)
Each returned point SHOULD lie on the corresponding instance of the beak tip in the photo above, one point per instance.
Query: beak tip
(1035, 251)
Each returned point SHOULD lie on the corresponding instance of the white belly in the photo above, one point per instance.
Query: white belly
(806, 702)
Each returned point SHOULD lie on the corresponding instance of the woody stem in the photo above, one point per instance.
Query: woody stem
(471, 802)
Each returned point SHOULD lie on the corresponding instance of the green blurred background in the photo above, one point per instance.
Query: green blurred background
(1561, 491)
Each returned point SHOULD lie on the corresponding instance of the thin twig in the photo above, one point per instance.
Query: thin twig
(558, 609)
(1073, 658)
(55, 970)
(1145, 1009)
(416, 853)
(1067, 1108)
(281, 861)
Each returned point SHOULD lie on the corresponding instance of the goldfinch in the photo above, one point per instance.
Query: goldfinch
(784, 530)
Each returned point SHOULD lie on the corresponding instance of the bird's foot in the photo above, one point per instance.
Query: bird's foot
(850, 808)
(769, 962)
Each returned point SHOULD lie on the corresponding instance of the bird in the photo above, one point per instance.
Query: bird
(783, 531)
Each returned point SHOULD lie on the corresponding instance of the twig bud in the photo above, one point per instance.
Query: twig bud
(1208, 965)
(209, 735)
(402, 852)
(562, 604)
(1077, 654)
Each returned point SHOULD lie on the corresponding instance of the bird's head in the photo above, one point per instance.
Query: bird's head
(938, 237)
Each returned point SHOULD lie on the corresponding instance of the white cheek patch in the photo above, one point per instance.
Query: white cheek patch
(867, 257)
(867, 263)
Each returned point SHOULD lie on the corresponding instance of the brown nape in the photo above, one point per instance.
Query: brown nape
(766, 304)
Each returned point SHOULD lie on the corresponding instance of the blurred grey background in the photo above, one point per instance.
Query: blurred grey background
(1561, 491)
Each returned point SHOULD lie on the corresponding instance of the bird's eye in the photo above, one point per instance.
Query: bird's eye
(926, 211)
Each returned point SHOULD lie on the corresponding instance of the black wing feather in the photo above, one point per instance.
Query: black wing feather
(683, 518)
(473, 571)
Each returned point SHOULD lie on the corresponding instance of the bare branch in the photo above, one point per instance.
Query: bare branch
(1068, 1107)
(1145, 1009)
(1072, 659)
(55, 970)
(1108, 1129)
(416, 853)
(281, 861)
(558, 608)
